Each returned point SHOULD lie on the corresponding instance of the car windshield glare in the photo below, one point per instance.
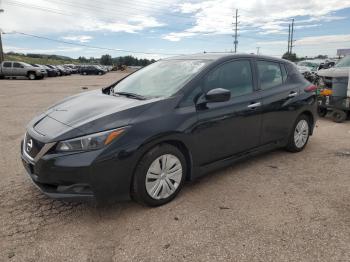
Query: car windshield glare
(160, 79)
(25, 64)
(345, 62)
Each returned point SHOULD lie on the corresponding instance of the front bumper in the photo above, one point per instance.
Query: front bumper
(80, 176)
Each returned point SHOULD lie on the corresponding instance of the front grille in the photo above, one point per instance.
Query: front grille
(32, 146)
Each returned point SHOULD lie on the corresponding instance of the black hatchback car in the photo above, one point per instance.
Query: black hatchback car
(169, 122)
(92, 70)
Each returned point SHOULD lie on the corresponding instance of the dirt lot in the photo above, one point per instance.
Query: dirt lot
(276, 207)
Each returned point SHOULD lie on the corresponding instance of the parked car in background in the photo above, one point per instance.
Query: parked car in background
(50, 71)
(335, 95)
(309, 65)
(55, 69)
(91, 70)
(341, 69)
(73, 68)
(171, 121)
(16, 69)
(64, 71)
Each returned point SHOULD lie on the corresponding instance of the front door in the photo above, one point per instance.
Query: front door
(18, 69)
(232, 127)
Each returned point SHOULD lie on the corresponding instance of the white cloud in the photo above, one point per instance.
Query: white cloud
(131, 25)
(61, 17)
(324, 39)
(309, 46)
(78, 38)
(268, 17)
(25, 50)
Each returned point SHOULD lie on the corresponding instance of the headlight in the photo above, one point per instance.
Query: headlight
(90, 142)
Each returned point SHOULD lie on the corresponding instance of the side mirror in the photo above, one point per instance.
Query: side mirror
(218, 95)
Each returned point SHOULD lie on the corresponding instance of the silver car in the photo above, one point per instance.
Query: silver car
(20, 69)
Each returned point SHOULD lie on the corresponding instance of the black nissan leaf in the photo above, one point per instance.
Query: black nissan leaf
(174, 120)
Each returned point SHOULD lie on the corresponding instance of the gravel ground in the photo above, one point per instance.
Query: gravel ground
(275, 207)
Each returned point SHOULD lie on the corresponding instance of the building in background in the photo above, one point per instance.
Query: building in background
(343, 52)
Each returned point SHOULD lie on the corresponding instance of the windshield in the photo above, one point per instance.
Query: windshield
(345, 62)
(160, 79)
(25, 64)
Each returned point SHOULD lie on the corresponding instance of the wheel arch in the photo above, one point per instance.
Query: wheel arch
(31, 72)
(311, 117)
(174, 141)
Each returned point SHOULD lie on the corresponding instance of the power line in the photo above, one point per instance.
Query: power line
(1, 49)
(93, 46)
(291, 37)
(111, 12)
(236, 30)
(288, 49)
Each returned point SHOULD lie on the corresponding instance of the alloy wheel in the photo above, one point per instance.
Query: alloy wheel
(31, 76)
(163, 176)
(301, 133)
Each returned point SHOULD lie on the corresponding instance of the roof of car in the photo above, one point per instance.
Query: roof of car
(217, 56)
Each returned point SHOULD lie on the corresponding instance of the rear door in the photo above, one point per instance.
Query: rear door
(278, 97)
(228, 128)
(7, 69)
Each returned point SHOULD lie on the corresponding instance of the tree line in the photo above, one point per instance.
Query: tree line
(121, 60)
(104, 59)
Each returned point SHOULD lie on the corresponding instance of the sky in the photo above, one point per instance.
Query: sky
(161, 28)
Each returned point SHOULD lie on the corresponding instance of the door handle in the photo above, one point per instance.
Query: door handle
(254, 105)
(292, 94)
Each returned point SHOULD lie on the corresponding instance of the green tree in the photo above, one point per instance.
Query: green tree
(290, 56)
(106, 60)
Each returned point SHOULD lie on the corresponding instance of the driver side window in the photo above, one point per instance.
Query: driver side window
(235, 76)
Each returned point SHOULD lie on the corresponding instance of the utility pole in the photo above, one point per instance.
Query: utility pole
(236, 31)
(291, 37)
(288, 39)
(257, 50)
(1, 49)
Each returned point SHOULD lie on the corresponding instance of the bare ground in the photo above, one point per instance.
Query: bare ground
(275, 207)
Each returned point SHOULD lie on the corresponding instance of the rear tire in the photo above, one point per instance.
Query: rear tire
(339, 116)
(322, 111)
(300, 134)
(159, 176)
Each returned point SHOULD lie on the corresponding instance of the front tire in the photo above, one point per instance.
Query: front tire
(300, 134)
(159, 175)
(31, 76)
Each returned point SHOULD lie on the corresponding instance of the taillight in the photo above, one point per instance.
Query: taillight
(310, 88)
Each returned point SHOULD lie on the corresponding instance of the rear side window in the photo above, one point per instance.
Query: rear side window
(17, 65)
(270, 74)
(7, 64)
(235, 76)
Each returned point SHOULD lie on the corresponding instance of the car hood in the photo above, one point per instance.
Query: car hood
(87, 113)
(335, 72)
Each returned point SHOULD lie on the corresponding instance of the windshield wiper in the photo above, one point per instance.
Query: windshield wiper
(131, 95)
